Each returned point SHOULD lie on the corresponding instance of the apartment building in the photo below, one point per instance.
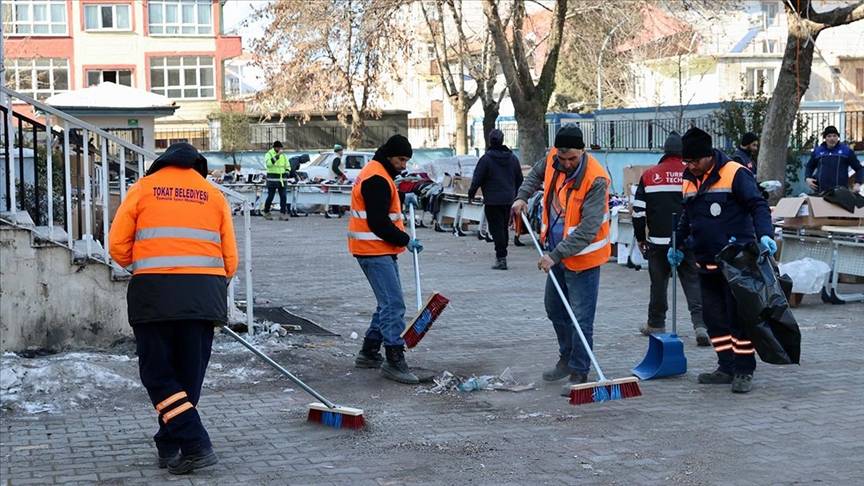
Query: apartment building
(174, 48)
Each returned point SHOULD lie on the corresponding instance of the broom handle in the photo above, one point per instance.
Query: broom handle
(674, 278)
(416, 260)
(566, 303)
(276, 365)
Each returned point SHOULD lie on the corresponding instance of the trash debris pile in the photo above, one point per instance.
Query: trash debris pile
(504, 381)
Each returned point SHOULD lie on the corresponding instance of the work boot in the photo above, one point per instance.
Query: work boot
(575, 379)
(369, 355)
(267, 215)
(561, 370)
(742, 383)
(395, 368)
(702, 338)
(184, 464)
(284, 217)
(517, 242)
(648, 329)
(716, 377)
(167, 459)
(500, 264)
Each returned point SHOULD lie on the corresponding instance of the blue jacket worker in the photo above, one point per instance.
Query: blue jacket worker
(722, 203)
(747, 151)
(498, 174)
(830, 162)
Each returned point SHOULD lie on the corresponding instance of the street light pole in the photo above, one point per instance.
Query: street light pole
(600, 64)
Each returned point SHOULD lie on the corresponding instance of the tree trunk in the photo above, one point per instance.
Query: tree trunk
(355, 138)
(532, 133)
(792, 83)
(461, 124)
(490, 116)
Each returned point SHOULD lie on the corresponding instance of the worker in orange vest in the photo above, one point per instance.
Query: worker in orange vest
(376, 235)
(174, 233)
(575, 235)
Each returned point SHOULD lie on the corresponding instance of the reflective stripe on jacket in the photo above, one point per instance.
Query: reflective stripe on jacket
(174, 222)
(570, 198)
(361, 240)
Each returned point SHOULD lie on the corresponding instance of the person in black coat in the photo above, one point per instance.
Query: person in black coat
(499, 175)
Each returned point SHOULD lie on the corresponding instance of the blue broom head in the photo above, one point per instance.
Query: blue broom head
(615, 392)
(332, 419)
(601, 394)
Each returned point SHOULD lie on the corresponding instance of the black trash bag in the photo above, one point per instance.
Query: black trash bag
(762, 303)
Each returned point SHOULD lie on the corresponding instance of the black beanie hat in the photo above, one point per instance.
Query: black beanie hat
(672, 146)
(829, 130)
(395, 146)
(696, 143)
(748, 138)
(569, 136)
(277, 144)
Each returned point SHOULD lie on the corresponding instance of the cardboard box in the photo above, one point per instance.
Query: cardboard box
(814, 212)
(632, 174)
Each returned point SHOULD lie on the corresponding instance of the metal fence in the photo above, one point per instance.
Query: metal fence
(649, 134)
(262, 136)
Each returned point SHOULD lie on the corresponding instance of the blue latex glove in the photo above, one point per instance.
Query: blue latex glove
(411, 200)
(769, 244)
(415, 246)
(674, 257)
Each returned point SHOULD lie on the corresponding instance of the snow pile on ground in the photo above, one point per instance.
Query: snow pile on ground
(52, 383)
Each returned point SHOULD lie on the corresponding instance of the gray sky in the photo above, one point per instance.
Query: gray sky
(236, 11)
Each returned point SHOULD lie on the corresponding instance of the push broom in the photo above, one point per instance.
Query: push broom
(323, 412)
(603, 389)
(426, 313)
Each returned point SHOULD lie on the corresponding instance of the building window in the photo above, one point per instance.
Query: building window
(769, 46)
(187, 77)
(121, 76)
(37, 78)
(176, 17)
(769, 13)
(107, 17)
(34, 17)
(859, 80)
(757, 78)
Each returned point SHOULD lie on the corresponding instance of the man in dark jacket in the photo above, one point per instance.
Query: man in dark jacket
(830, 162)
(747, 151)
(376, 235)
(174, 232)
(658, 197)
(498, 174)
(722, 204)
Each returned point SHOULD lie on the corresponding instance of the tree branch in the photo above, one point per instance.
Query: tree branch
(496, 30)
(546, 83)
(838, 16)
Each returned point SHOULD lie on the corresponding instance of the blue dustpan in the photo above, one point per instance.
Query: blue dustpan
(665, 357)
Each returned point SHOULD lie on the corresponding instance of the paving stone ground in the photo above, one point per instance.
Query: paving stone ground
(800, 425)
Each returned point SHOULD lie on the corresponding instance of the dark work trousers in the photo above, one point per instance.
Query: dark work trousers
(498, 217)
(735, 352)
(272, 186)
(660, 271)
(172, 359)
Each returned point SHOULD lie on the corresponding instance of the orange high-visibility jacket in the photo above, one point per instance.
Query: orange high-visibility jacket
(570, 198)
(174, 222)
(361, 240)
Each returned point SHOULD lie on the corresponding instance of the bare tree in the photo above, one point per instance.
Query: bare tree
(530, 98)
(805, 25)
(327, 55)
(486, 75)
(453, 61)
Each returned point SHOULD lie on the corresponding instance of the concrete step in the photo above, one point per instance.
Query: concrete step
(56, 234)
(18, 218)
(80, 254)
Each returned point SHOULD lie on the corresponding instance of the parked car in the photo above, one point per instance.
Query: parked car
(319, 169)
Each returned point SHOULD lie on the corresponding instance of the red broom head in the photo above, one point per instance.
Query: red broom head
(338, 418)
(581, 396)
(630, 390)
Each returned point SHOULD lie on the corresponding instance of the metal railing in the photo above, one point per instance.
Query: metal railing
(97, 168)
(258, 137)
(625, 134)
